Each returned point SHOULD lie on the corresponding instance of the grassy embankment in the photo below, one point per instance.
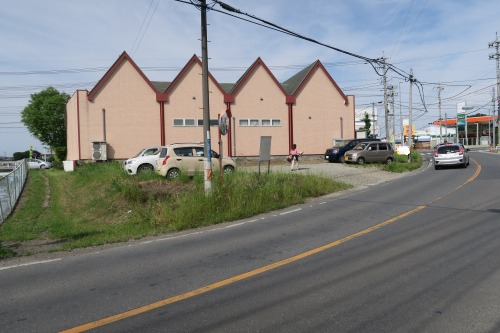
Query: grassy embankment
(99, 204)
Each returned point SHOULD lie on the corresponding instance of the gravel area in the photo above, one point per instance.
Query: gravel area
(356, 175)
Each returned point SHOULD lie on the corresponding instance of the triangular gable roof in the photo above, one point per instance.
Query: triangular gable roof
(246, 76)
(194, 60)
(297, 82)
(123, 57)
(293, 83)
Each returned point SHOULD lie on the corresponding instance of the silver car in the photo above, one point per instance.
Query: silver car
(368, 152)
(34, 163)
(454, 154)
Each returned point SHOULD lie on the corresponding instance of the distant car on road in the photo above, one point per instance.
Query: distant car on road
(454, 154)
(143, 161)
(369, 152)
(34, 163)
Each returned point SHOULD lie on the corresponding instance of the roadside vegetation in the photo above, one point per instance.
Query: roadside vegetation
(100, 204)
(401, 163)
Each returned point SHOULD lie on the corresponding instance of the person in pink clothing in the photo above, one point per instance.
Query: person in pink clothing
(295, 153)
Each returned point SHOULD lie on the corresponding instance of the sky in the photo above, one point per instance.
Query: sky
(69, 45)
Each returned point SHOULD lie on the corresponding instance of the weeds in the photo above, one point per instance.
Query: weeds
(99, 203)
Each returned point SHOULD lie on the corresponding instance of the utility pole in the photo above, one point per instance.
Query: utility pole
(373, 117)
(410, 125)
(496, 55)
(401, 116)
(446, 128)
(386, 108)
(207, 159)
(393, 114)
(439, 89)
(489, 119)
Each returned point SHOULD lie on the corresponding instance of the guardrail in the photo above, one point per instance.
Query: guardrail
(11, 186)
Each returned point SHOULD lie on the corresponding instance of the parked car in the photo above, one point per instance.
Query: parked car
(34, 163)
(337, 152)
(451, 155)
(369, 152)
(143, 161)
(188, 158)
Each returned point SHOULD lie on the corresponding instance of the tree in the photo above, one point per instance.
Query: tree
(368, 123)
(44, 118)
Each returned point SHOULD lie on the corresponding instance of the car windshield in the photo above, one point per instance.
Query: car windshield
(361, 146)
(138, 154)
(341, 143)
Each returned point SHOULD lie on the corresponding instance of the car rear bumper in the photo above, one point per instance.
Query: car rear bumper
(450, 161)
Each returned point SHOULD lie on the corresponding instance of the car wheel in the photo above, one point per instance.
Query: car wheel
(342, 159)
(361, 161)
(388, 160)
(228, 169)
(42, 166)
(173, 173)
(145, 168)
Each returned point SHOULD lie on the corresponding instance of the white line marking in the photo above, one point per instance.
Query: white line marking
(30, 263)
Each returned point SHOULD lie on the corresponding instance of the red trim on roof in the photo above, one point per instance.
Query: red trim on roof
(194, 60)
(123, 57)
(319, 65)
(250, 71)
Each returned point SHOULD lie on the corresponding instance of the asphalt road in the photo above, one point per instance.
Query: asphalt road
(417, 254)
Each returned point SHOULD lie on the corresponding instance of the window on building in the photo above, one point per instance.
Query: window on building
(213, 122)
(271, 122)
(184, 122)
(249, 122)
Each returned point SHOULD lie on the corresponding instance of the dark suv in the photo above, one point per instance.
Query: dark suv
(336, 153)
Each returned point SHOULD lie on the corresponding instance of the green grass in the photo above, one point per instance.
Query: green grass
(99, 203)
(401, 164)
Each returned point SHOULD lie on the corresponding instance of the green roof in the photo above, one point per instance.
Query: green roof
(161, 86)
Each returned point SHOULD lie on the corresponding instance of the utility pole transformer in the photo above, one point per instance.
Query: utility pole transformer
(496, 55)
(207, 159)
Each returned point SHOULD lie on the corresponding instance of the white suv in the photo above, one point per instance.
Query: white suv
(143, 161)
(188, 158)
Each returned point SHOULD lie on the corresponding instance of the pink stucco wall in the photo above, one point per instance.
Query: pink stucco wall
(185, 101)
(133, 108)
(318, 115)
(260, 98)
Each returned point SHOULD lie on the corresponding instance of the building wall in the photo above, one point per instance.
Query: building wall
(317, 115)
(260, 98)
(132, 115)
(185, 101)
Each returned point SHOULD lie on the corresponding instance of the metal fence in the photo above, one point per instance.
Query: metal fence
(11, 186)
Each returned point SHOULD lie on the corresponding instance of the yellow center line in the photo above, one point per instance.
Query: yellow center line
(228, 281)
(222, 283)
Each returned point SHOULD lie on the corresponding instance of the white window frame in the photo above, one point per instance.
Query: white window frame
(271, 122)
(184, 122)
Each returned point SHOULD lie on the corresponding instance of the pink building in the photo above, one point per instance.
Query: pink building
(126, 111)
